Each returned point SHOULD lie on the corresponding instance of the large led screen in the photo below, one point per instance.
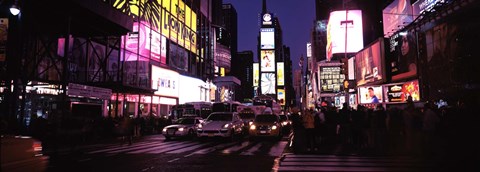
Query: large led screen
(403, 56)
(268, 83)
(372, 94)
(340, 22)
(267, 38)
(369, 64)
(396, 15)
(280, 72)
(267, 61)
(402, 92)
(331, 81)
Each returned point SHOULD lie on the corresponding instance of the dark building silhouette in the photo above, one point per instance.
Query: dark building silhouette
(245, 74)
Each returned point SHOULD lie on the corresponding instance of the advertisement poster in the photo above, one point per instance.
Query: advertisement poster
(267, 61)
(369, 64)
(280, 76)
(256, 74)
(403, 56)
(144, 44)
(372, 94)
(268, 83)
(156, 44)
(402, 92)
(267, 38)
(131, 43)
(281, 96)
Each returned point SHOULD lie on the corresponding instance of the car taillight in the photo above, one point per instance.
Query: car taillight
(37, 148)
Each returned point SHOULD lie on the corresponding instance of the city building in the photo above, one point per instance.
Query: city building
(245, 75)
(106, 58)
(273, 58)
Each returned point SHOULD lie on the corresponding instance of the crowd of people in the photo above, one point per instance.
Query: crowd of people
(423, 130)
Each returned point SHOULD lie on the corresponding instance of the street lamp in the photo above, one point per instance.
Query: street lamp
(14, 9)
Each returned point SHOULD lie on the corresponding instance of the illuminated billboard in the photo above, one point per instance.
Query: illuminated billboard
(173, 17)
(281, 96)
(369, 64)
(372, 94)
(403, 56)
(155, 46)
(421, 6)
(165, 81)
(309, 49)
(268, 83)
(267, 60)
(280, 74)
(351, 68)
(267, 38)
(331, 80)
(396, 15)
(256, 74)
(401, 92)
(340, 22)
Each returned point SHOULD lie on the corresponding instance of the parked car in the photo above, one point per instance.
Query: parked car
(22, 153)
(183, 127)
(221, 124)
(266, 125)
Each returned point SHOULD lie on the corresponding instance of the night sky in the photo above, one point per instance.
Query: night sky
(296, 19)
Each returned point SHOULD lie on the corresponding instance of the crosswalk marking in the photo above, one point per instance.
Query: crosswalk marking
(156, 147)
(252, 149)
(215, 148)
(121, 147)
(172, 148)
(236, 148)
(291, 162)
(187, 149)
(162, 144)
(191, 147)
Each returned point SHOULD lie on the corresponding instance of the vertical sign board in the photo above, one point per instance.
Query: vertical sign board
(3, 38)
(256, 74)
(280, 74)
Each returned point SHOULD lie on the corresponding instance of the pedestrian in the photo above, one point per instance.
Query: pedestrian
(309, 124)
(126, 127)
(298, 134)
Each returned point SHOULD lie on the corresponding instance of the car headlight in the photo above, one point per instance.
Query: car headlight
(180, 129)
(164, 130)
(274, 127)
(199, 126)
(253, 127)
(226, 126)
(284, 123)
(250, 123)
